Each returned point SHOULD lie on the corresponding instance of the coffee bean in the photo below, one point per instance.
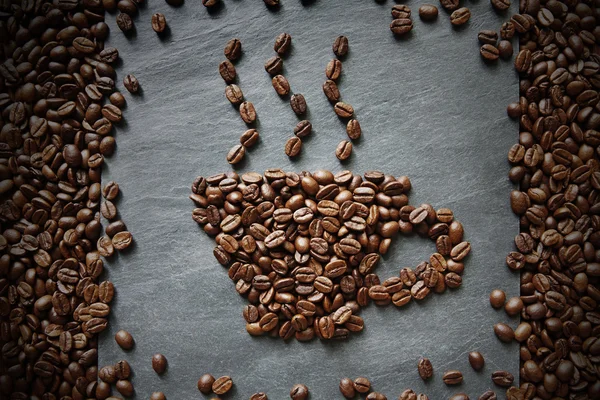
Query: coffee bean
(234, 94)
(233, 50)
(157, 396)
(343, 110)
(460, 16)
(375, 396)
(210, 3)
(122, 370)
(401, 11)
(281, 85)
(340, 46)
(452, 377)
(343, 150)
(489, 52)
(131, 83)
(362, 385)
(271, 3)
(283, 42)
(476, 360)
(274, 65)
(247, 112)
(450, 5)
(159, 22)
(425, 369)
(222, 385)
(488, 37)
(293, 146)
(401, 26)
(488, 395)
(124, 339)
(502, 378)
(347, 388)
(333, 70)
(505, 49)
(298, 104)
(460, 396)
(428, 12)
(159, 363)
(500, 5)
(236, 154)
(507, 30)
(299, 392)
(504, 332)
(303, 129)
(205, 383)
(125, 388)
(353, 129)
(523, 60)
(124, 22)
(122, 240)
(227, 71)
(331, 91)
(249, 138)
(110, 191)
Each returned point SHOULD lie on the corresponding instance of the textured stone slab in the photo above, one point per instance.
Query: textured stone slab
(429, 108)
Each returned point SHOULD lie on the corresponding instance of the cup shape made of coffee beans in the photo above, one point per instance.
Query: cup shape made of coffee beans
(303, 248)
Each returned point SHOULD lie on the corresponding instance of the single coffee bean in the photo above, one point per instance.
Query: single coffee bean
(488, 37)
(476, 360)
(452, 377)
(210, 3)
(159, 22)
(124, 340)
(401, 26)
(271, 3)
(293, 146)
(236, 154)
(343, 150)
(502, 378)
(340, 46)
(227, 71)
(375, 396)
(158, 396)
(124, 387)
(488, 395)
(523, 61)
(425, 369)
(274, 65)
(428, 12)
(504, 332)
(233, 49)
(205, 383)
(122, 370)
(507, 30)
(122, 240)
(299, 392)
(331, 91)
(259, 396)
(124, 22)
(497, 298)
(505, 49)
(222, 385)
(401, 11)
(489, 52)
(500, 5)
(303, 129)
(353, 129)
(281, 85)
(514, 306)
(333, 70)
(450, 5)
(460, 16)
(159, 363)
(234, 94)
(283, 42)
(298, 104)
(362, 385)
(343, 110)
(247, 112)
(249, 138)
(460, 396)
(131, 83)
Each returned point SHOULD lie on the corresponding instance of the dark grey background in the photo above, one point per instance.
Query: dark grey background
(429, 108)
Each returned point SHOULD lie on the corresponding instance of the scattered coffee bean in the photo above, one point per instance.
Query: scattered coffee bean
(476, 360)
(331, 91)
(401, 26)
(283, 42)
(343, 150)
(298, 104)
(488, 395)
(459, 396)
(340, 46)
(460, 16)
(362, 385)
(247, 112)
(347, 388)
(303, 129)
(222, 385)
(131, 83)
(274, 65)
(124, 340)
(293, 146)
(124, 22)
(353, 129)
(159, 363)
(249, 138)
(505, 49)
(159, 23)
(376, 396)
(502, 378)
(205, 383)
(500, 5)
(488, 37)
(281, 85)
(271, 3)
(497, 298)
(299, 392)
(210, 3)
(227, 71)
(428, 12)
(400, 11)
(450, 5)
(233, 49)
(489, 52)
(236, 154)
(343, 110)
(125, 387)
(333, 70)
(157, 396)
(452, 377)
(234, 94)
(504, 332)
(425, 369)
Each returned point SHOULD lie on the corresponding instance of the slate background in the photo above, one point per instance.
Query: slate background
(430, 108)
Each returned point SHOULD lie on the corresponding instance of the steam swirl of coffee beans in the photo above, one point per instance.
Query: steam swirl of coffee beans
(303, 248)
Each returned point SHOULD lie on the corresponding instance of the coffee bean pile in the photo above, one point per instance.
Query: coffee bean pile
(233, 93)
(303, 248)
(556, 166)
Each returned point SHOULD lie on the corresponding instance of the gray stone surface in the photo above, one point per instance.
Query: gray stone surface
(429, 108)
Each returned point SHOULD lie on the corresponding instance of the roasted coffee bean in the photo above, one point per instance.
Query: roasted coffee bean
(488, 395)
(340, 46)
(247, 112)
(362, 385)
(131, 83)
(298, 104)
(452, 377)
(159, 22)
(425, 369)
(353, 129)
(122, 370)
(283, 42)
(476, 360)
(504, 332)
(233, 49)
(343, 110)
(505, 49)
(450, 5)
(205, 383)
(222, 385)
(124, 339)
(401, 26)
(157, 396)
(210, 3)
(428, 12)
(489, 52)
(333, 69)
(331, 91)
(271, 3)
(274, 65)
(488, 37)
(227, 71)
(303, 129)
(299, 392)
(501, 5)
(122, 240)
(459, 396)
(125, 388)
(234, 94)
(293, 146)
(236, 154)
(460, 16)
(281, 85)
(347, 388)
(343, 150)
(159, 363)
(124, 22)
(249, 138)
(502, 378)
